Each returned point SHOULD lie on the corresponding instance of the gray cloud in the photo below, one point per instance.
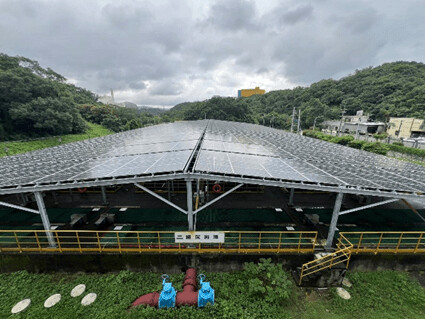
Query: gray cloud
(166, 88)
(300, 13)
(167, 52)
(232, 15)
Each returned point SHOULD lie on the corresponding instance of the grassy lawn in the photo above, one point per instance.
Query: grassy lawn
(94, 130)
(385, 294)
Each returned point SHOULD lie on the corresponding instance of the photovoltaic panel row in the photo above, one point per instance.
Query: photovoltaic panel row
(318, 160)
(257, 166)
(128, 165)
(93, 157)
(247, 148)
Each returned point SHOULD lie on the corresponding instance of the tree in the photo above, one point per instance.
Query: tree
(53, 116)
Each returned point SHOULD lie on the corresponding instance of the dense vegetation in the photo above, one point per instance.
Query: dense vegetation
(392, 89)
(18, 147)
(259, 291)
(37, 102)
(374, 147)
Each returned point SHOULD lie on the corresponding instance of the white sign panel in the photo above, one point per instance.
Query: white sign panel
(196, 237)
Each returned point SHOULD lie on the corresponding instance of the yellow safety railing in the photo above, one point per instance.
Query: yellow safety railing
(86, 241)
(408, 242)
(386, 242)
(340, 256)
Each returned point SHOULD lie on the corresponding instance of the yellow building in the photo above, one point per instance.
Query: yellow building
(405, 127)
(249, 92)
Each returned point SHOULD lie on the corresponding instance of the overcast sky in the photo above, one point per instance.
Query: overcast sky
(168, 52)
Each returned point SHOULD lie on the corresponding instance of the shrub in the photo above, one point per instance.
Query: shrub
(380, 136)
(377, 148)
(344, 140)
(356, 144)
(267, 281)
(407, 150)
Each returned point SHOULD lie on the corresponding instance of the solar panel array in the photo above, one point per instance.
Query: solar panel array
(154, 149)
(253, 150)
(227, 148)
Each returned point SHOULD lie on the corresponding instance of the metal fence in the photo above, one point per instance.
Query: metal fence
(83, 241)
(409, 242)
(341, 256)
(386, 242)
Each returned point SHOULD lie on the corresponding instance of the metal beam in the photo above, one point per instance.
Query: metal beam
(189, 205)
(104, 198)
(291, 197)
(147, 190)
(323, 187)
(218, 198)
(368, 206)
(413, 209)
(19, 207)
(44, 218)
(335, 214)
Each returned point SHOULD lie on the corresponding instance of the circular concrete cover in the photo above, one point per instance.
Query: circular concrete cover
(78, 290)
(346, 283)
(21, 305)
(89, 299)
(52, 300)
(344, 294)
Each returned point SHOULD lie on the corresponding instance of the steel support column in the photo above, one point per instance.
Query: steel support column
(23, 199)
(104, 198)
(291, 197)
(189, 205)
(335, 214)
(44, 218)
(169, 191)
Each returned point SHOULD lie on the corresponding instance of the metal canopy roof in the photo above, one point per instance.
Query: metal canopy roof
(213, 150)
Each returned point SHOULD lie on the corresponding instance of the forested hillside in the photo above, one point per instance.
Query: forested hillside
(37, 102)
(392, 89)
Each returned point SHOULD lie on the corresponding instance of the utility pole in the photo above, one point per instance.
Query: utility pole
(340, 124)
(293, 118)
(399, 129)
(357, 131)
(299, 121)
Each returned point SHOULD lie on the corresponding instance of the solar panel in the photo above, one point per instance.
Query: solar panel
(253, 150)
(227, 149)
(161, 148)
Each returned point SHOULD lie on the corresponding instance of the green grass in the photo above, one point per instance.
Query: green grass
(94, 130)
(385, 294)
(377, 294)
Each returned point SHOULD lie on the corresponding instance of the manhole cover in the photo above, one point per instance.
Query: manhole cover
(52, 300)
(21, 305)
(89, 299)
(347, 283)
(344, 294)
(78, 290)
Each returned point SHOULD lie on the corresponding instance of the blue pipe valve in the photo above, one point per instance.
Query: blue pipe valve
(205, 293)
(167, 298)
